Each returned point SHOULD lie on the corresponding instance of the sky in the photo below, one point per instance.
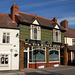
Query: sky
(61, 9)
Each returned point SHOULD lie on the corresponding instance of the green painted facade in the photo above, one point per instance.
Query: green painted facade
(46, 35)
(24, 32)
(62, 38)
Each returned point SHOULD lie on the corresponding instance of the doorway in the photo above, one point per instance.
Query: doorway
(25, 59)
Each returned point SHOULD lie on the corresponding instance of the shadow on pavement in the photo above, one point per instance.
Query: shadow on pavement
(41, 73)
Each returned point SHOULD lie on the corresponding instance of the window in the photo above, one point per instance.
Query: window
(3, 59)
(37, 55)
(56, 35)
(73, 41)
(53, 55)
(6, 37)
(35, 32)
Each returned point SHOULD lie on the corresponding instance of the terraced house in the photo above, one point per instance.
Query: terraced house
(70, 40)
(41, 40)
(9, 43)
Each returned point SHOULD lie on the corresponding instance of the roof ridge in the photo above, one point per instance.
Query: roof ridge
(37, 16)
(4, 13)
(71, 28)
(44, 18)
(26, 13)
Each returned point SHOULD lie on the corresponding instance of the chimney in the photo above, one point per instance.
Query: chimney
(64, 23)
(54, 19)
(14, 10)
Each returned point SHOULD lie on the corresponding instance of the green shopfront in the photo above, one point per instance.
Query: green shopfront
(39, 55)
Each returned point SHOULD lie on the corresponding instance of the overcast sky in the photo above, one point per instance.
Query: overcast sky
(61, 9)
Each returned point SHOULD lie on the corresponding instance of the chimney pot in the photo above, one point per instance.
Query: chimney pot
(14, 10)
(64, 23)
(54, 19)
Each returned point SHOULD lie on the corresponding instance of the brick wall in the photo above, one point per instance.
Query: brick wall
(46, 35)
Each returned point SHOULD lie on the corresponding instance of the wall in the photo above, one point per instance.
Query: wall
(24, 32)
(5, 48)
(46, 35)
(62, 38)
(69, 40)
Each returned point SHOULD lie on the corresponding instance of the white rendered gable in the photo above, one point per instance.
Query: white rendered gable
(56, 27)
(35, 22)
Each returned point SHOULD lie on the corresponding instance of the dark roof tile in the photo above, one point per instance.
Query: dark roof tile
(24, 17)
(70, 33)
(6, 22)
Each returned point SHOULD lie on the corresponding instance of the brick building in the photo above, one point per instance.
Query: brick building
(41, 40)
(70, 40)
(9, 43)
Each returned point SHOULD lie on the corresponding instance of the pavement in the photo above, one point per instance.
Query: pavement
(62, 70)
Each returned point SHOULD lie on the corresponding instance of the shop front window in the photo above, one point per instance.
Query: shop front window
(53, 55)
(37, 55)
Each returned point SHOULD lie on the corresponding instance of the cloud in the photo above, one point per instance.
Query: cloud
(37, 4)
(71, 20)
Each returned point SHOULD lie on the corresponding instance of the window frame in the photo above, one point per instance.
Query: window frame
(73, 42)
(55, 37)
(32, 27)
(32, 55)
(6, 35)
(5, 56)
(59, 54)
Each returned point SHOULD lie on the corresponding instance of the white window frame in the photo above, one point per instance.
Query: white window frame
(73, 41)
(54, 35)
(59, 55)
(6, 35)
(32, 32)
(4, 60)
(32, 55)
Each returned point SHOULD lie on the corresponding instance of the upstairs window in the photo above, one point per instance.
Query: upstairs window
(6, 37)
(73, 41)
(35, 32)
(56, 35)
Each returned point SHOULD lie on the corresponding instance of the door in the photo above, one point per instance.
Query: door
(69, 58)
(25, 60)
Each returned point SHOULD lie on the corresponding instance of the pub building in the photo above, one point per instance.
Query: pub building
(40, 40)
(31, 41)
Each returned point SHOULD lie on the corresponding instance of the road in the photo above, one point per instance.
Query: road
(64, 70)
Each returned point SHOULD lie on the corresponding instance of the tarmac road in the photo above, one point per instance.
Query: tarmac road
(63, 70)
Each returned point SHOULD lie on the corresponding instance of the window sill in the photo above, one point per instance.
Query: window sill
(5, 44)
(3, 65)
(57, 41)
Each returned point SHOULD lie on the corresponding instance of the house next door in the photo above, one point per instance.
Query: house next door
(25, 59)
